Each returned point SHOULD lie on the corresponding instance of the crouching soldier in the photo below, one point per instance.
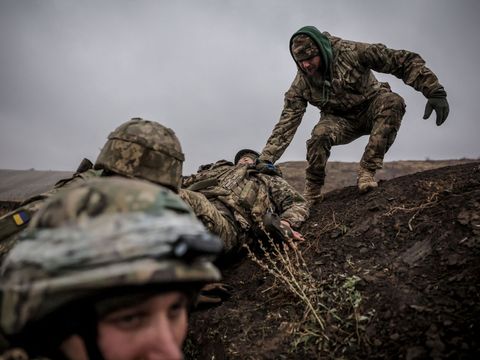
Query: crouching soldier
(239, 203)
(106, 270)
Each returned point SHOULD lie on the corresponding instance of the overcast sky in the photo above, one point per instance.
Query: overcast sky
(214, 71)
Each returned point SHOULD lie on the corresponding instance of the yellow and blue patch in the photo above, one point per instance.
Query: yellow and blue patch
(21, 217)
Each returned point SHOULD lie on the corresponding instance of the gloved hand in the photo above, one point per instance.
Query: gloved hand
(438, 102)
(266, 167)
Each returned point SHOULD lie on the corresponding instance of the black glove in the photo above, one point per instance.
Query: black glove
(437, 101)
(266, 167)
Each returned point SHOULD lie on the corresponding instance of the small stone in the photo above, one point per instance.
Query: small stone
(395, 336)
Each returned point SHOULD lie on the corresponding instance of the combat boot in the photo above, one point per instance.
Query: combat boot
(312, 193)
(366, 180)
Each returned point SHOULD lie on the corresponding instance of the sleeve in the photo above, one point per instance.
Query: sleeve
(405, 65)
(291, 206)
(294, 108)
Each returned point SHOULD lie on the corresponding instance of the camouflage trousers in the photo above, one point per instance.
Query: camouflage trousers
(381, 120)
(213, 219)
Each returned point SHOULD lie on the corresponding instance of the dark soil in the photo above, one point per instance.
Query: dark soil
(414, 244)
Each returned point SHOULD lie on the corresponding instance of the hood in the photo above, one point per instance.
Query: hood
(323, 44)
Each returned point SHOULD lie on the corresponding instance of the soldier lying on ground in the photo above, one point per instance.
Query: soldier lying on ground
(106, 270)
(136, 149)
(239, 203)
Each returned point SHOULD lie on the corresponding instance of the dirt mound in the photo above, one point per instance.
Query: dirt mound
(341, 174)
(394, 273)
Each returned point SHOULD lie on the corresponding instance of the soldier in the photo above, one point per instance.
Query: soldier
(136, 149)
(238, 202)
(106, 270)
(336, 76)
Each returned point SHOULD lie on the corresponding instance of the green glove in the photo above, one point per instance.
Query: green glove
(437, 101)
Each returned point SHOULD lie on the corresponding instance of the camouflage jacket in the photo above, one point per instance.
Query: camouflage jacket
(15, 221)
(248, 194)
(352, 86)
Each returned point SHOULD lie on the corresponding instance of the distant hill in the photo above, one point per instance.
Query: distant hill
(19, 185)
(342, 174)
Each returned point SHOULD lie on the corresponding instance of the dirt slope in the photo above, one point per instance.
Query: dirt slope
(391, 274)
(341, 174)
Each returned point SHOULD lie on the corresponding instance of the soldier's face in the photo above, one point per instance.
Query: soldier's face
(152, 329)
(246, 160)
(311, 66)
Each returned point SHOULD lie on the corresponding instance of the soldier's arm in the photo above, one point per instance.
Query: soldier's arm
(405, 65)
(291, 117)
(291, 206)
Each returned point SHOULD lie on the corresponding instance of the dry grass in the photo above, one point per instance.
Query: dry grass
(332, 319)
(433, 190)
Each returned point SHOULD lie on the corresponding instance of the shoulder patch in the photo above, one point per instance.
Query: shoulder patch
(20, 218)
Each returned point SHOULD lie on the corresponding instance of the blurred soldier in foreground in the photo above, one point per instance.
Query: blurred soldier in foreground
(136, 149)
(239, 203)
(106, 270)
(336, 76)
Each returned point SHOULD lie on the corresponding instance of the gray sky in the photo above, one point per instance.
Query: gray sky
(214, 71)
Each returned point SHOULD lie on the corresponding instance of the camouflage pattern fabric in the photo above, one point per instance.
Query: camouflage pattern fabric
(217, 221)
(107, 195)
(353, 88)
(304, 48)
(381, 120)
(244, 196)
(115, 233)
(12, 223)
(144, 149)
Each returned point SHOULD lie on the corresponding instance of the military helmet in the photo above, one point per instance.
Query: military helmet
(244, 152)
(143, 149)
(117, 233)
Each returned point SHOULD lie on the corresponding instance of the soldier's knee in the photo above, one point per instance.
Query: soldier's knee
(319, 141)
(394, 102)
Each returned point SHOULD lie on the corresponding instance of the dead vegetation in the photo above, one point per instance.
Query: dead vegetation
(330, 305)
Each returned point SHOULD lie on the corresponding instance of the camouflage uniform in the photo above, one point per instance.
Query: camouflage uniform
(352, 101)
(232, 200)
(138, 149)
(104, 239)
